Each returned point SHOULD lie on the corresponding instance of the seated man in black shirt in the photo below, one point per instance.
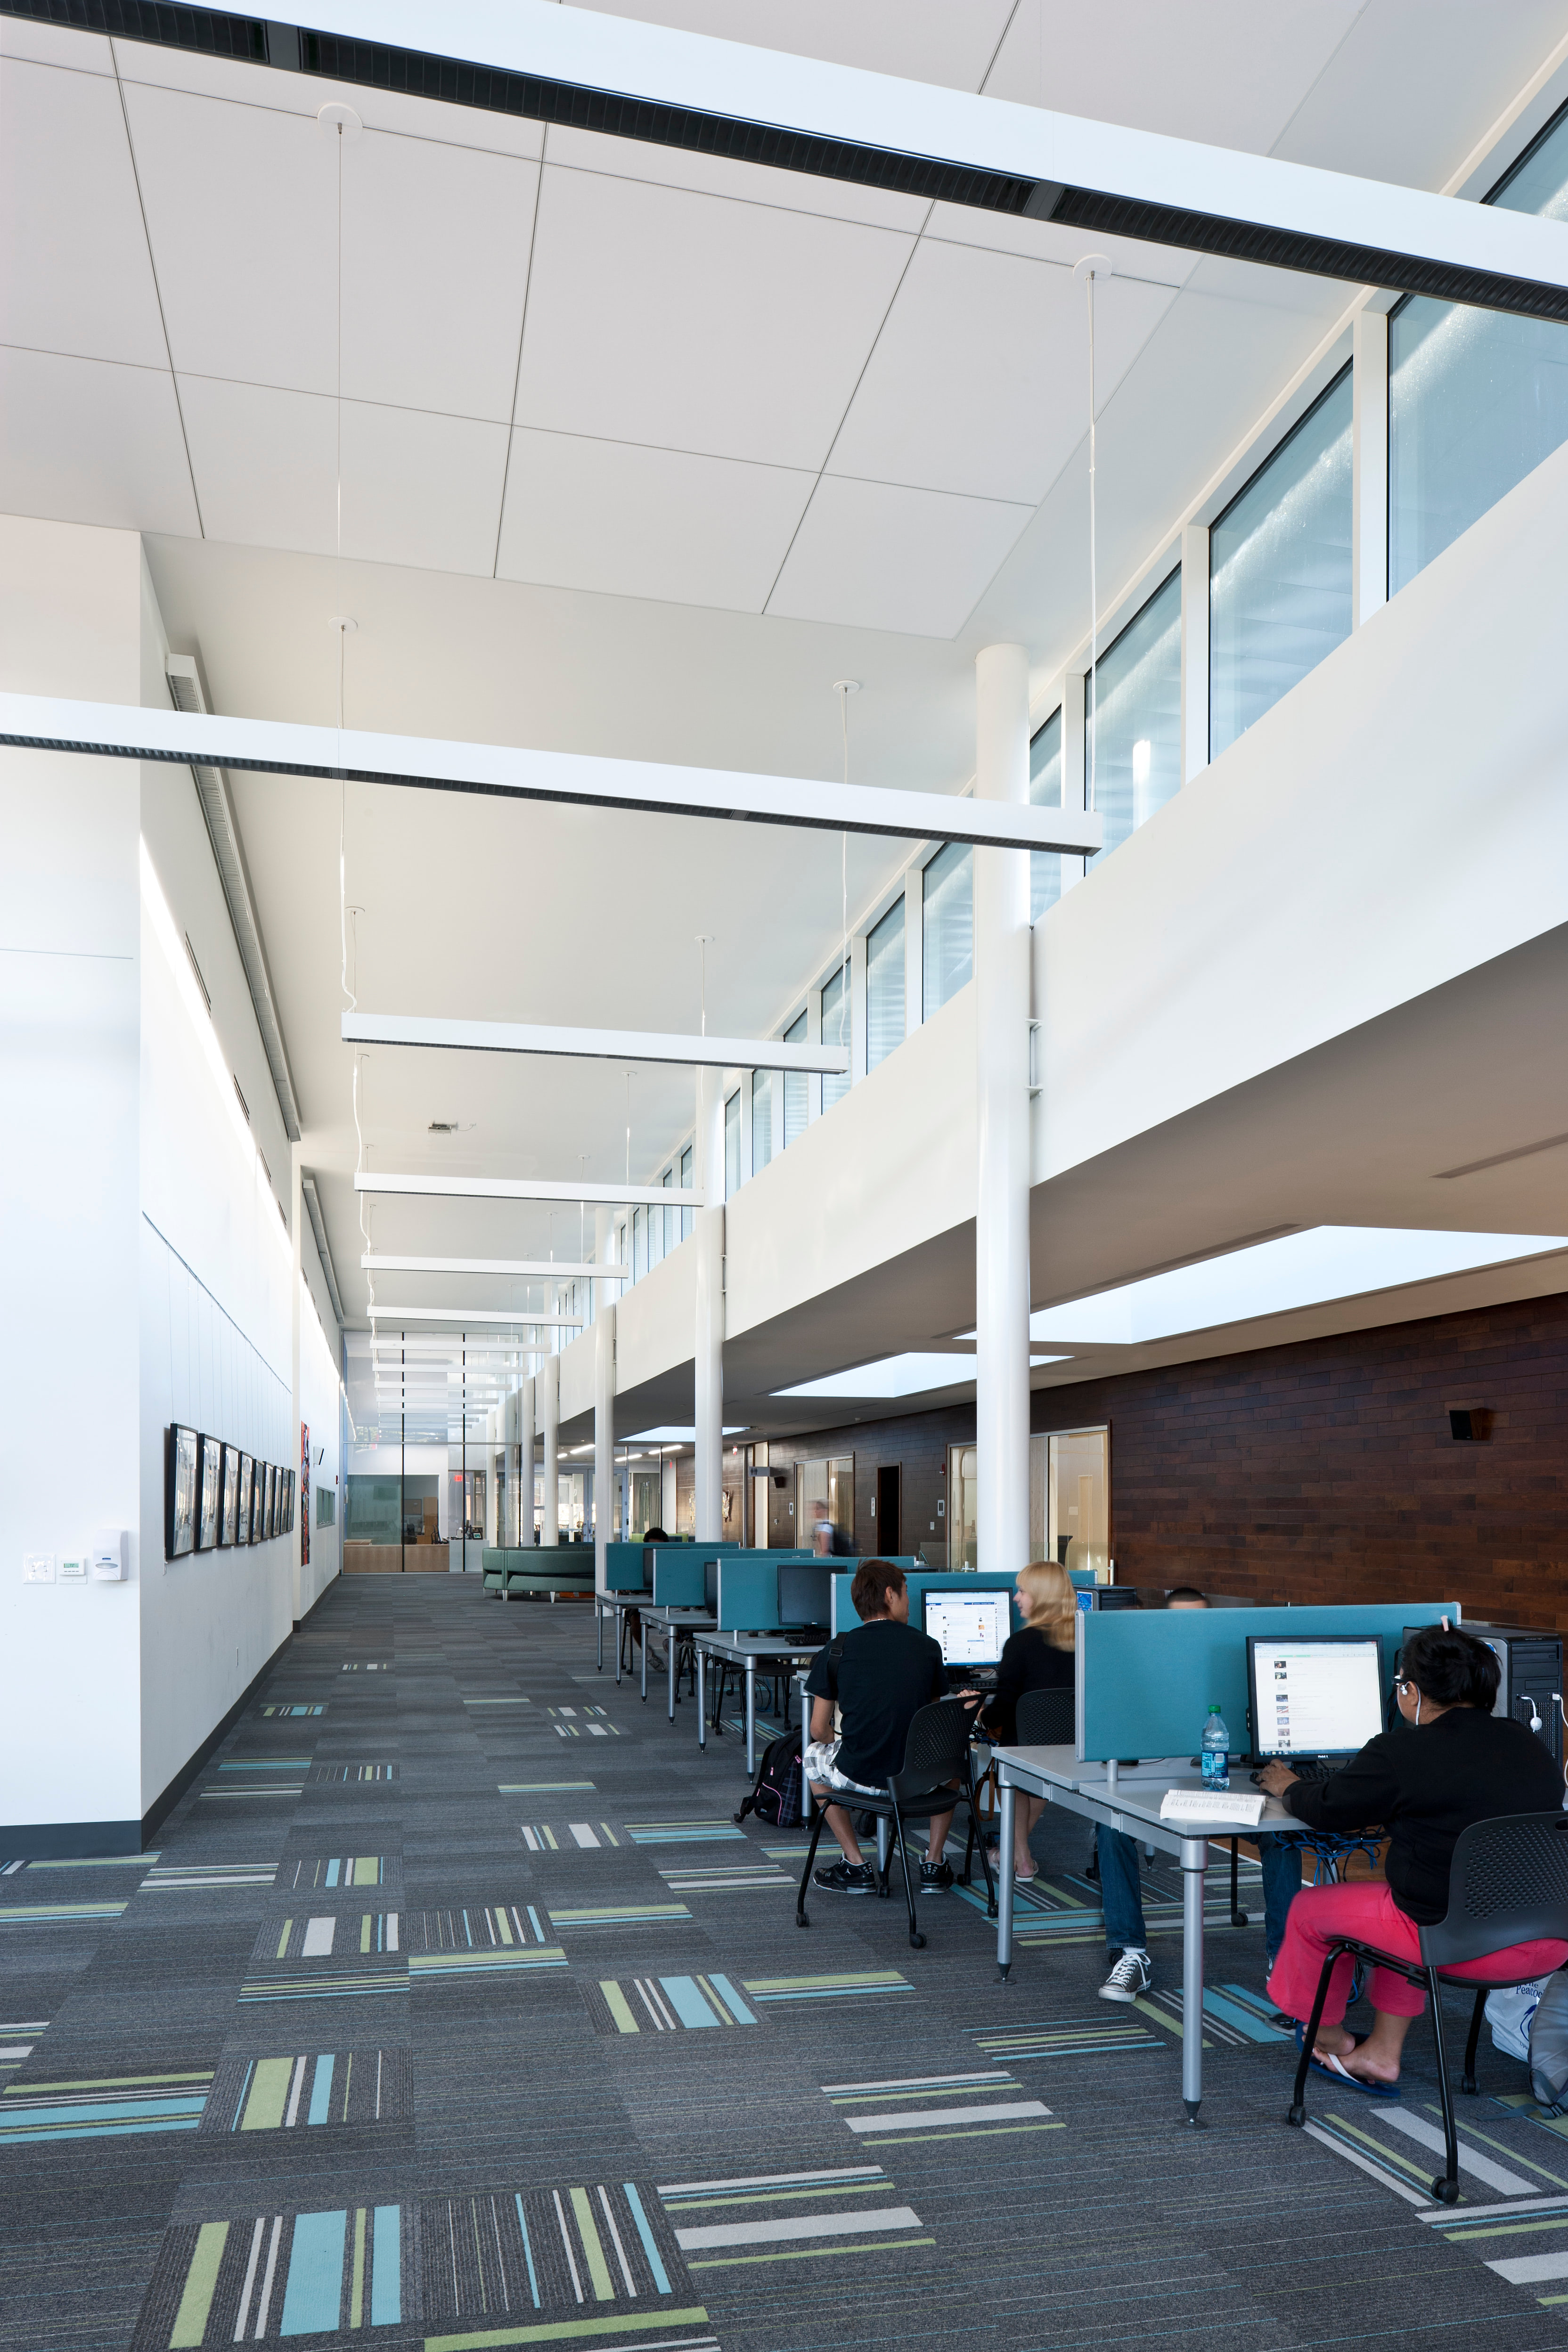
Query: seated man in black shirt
(881, 1674)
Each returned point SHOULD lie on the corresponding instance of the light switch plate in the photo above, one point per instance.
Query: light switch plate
(38, 1568)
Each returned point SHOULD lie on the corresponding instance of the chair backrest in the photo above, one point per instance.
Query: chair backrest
(1508, 1883)
(1045, 1718)
(936, 1749)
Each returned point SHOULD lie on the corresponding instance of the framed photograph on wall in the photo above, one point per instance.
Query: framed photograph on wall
(246, 1493)
(271, 1520)
(263, 1502)
(228, 1517)
(209, 1504)
(288, 1502)
(181, 1480)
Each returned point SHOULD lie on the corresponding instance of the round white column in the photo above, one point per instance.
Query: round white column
(1002, 1107)
(603, 1393)
(526, 1416)
(708, 1164)
(549, 1418)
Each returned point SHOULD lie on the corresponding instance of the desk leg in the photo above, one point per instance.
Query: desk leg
(599, 1630)
(750, 1718)
(619, 1630)
(701, 1696)
(643, 1645)
(1195, 1863)
(1005, 1890)
(669, 1661)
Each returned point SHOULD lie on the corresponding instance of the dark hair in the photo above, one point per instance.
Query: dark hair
(653, 1534)
(874, 1579)
(1187, 1592)
(1452, 1668)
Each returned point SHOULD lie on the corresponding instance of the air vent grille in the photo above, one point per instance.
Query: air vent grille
(240, 1090)
(201, 983)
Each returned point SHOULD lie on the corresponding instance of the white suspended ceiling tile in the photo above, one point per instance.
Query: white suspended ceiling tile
(273, 87)
(52, 45)
(75, 274)
(925, 40)
(690, 322)
(720, 175)
(872, 556)
(436, 242)
(242, 208)
(623, 521)
(1225, 71)
(421, 489)
(417, 489)
(87, 441)
(265, 463)
(979, 382)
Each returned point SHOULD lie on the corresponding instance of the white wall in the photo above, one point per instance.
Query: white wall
(318, 1399)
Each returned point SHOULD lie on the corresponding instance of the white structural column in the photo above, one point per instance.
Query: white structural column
(604, 1392)
(1369, 466)
(1002, 1107)
(526, 1414)
(709, 1339)
(550, 1422)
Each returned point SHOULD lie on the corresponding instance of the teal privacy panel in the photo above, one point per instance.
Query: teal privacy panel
(624, 1565)
(1149, 1676)
(749, 1590)
(916, 1581)
(678, 1574)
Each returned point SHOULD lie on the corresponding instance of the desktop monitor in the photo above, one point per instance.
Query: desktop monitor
(1314, 1694)
(1117, 1596)
(711, 1587)
(970, 1627)
(805, 1595)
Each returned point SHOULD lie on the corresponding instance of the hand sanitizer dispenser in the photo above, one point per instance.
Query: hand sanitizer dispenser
(108, 1556)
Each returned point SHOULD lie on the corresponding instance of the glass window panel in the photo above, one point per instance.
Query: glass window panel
(688, 1217)
(796, 1102)
(1045, 792)
(1137, 724)
(1280, 570)
(885, 986)
(836, 1030)
(671, 1218)
(1476, 399)
(639, 1246)
(947, 890)
(732, 1145)
(762, 1119)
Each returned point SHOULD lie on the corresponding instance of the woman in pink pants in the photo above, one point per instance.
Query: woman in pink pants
(1463, 1764)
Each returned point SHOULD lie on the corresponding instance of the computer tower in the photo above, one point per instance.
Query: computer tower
(1531, 1663)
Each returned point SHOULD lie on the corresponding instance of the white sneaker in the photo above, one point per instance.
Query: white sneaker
(1132, 1974)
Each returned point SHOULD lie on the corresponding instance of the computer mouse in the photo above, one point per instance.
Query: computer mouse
(1256, 1779)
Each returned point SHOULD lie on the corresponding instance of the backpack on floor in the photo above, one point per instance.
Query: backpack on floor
(776, 1797)
(1511, 2013)
(1549, 2044)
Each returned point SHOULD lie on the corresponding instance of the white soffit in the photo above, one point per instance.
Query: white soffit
(670, 1435)
(521, 1319)
(1276, 1278)
(270, 747)
(528, 1188)
(899, 1376)
(532, 1270)
(593, 1044)
(839, 120)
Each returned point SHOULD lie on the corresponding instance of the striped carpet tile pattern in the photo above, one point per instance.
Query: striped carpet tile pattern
(665, 2004)
(805, 2216)
(902, 2110)
(106, 2108)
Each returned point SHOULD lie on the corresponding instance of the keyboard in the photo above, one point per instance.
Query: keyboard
(982, 1678)
(1305, 1768)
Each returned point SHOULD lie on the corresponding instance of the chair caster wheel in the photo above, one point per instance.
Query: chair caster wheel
(917, 1943)
(1470, 2085)
(801, 1920)
(1239, 1919)
(992, 1912)
(1445, 2191)
(1297, 2116)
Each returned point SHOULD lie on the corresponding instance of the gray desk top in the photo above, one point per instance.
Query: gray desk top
(1135, 1799)
(740, 1645)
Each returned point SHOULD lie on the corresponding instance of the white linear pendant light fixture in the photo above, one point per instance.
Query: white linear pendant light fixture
(528, 1269)
(529, 1188)
(594, 1045)
(271, 747)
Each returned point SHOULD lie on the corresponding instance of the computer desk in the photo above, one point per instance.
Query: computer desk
(745, 1650)
(1128, 1800)
(672, 1621)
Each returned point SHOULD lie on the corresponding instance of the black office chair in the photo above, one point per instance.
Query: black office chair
(936, 1753)
(1044, 1718)
(1508, 1885)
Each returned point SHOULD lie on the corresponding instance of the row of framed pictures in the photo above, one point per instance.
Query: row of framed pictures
(214, 1494)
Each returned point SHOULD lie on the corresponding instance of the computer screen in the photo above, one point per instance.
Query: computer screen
(805, 1595)
(1314, 1695)
(1117, 1596)
(711, 1587)
(971, 1627)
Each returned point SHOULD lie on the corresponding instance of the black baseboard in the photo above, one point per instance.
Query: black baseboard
(72, 1841)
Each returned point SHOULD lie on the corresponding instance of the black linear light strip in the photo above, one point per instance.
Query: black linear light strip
(879, 828)
(415, 73)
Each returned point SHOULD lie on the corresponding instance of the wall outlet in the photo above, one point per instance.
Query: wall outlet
(38, 1568)
(73, 1570)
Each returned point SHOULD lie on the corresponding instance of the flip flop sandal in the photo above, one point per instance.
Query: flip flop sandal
(1333, 2072)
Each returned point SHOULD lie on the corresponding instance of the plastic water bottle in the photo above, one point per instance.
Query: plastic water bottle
(1216, 1751)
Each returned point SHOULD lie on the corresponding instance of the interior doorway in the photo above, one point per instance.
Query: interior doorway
(885, 1510)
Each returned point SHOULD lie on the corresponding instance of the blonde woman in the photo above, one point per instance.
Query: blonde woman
(1039, 1656)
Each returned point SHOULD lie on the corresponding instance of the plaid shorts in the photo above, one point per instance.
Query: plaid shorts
(821, 1770)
